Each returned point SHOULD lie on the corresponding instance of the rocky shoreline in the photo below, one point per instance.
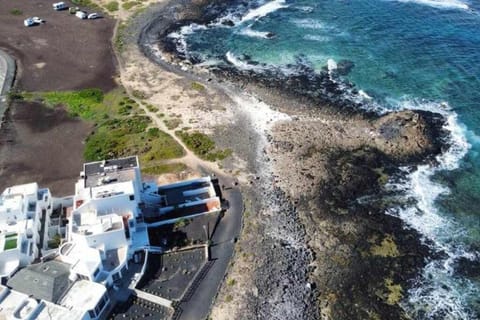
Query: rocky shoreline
(316, 242)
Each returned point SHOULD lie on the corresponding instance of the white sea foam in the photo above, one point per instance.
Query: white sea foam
(262, 11)
(242, 65)
(180, 35)
(437, 292)
(442, 4)
(249, 32)
(316, 37)
(306, 9)
(309, 24)
(364, 95)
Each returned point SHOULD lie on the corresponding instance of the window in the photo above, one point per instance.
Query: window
(116, 276)
(101, 305)
(132, 197)
(96, 273)
(92, 314)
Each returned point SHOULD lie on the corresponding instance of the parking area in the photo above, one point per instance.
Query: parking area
(64, 53)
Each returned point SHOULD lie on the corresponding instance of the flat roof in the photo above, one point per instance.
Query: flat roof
(83, 295)
(109, 171)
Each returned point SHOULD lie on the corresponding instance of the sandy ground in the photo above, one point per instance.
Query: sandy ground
(64, 53)
(37, 143)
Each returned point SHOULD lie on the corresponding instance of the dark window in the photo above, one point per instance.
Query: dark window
(96, 272)
(132, 197)
(91, 313)
(116, 276)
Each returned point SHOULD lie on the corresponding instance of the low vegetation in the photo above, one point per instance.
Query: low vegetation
(86, 3)
(119, 41)
(202, 145)
(172, 123)
(112, 6)
(120, 128)
(16, 12)
(164, 168)
(198, 86)
(130, 4)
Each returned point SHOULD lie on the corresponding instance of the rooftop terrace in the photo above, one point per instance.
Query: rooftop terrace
(108, 171)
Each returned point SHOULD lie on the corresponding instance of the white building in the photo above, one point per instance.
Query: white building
(106, 226)
(84, 300)
(23, 210)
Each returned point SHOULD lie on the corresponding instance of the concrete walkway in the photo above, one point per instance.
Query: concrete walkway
(7, 74)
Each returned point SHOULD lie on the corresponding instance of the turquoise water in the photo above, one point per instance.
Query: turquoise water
(421, 54)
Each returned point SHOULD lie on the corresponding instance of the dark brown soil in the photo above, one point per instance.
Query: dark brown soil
(43, 145)
(39, 144)
(64, 53)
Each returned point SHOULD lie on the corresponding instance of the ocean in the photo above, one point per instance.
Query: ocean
(401, 54)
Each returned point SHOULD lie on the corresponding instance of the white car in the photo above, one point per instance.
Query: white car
(37, 20)
(81, 14)
(94, 16)
(59, 6)
(32, 21)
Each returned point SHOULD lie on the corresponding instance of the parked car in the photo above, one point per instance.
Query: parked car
(94, 16)
(38, 20)
(29, 22)
(32, 21)
(59, 6)
(81, 14)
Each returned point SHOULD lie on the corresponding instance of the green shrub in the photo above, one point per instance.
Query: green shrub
(129, 5)
(153, 132)
(112, 6)
(198, 86)
(152, 108)
(202, 145)
(164, 168)
(16, 12)
(172, 123)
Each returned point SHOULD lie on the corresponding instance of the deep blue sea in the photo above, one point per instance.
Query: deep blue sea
(422, 54)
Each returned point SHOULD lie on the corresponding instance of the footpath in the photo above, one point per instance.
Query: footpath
(7, 74)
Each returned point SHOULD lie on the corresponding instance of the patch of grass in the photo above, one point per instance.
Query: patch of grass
(172, 123)
(164, 168)
(10, 243)
(198, 86)
(119, 130)
(112, 6)
(228, 298)
(119, 41)
(153, 132)
(130, 4)
(152, 108)
(202, 145)
(82, 103)
(86, 3)
(231, 282)
(138, 94)
(16, 12)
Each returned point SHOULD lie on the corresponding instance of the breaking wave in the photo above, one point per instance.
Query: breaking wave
(442, 4)
(262, 11)
(249, 32)
(438, 292)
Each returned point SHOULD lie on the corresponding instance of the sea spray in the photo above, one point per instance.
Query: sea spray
(438, 292)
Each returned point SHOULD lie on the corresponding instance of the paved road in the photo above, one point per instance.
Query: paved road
(198, 306)
(7, 74)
